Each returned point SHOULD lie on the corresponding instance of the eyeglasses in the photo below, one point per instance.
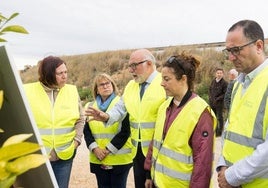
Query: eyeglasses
(133, 66)
(61, 73)
(236, 49)
(104, 84)
(173, 59)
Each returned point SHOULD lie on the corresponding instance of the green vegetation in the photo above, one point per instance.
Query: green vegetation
(83, 68)
(16, 157)
(10, 28)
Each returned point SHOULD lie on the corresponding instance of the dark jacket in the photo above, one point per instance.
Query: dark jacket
(216, 92)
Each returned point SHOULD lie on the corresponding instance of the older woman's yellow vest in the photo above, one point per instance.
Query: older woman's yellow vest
(248, 121)
(103, 135)
(55, 123)
(142, 113)
(172, 157)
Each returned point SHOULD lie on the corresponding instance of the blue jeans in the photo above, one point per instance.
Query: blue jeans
(62, 170)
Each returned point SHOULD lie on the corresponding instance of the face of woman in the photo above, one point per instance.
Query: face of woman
(172, 86)
(105, 88)
(61, 75)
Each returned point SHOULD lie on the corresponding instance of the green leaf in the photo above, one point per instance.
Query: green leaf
(16, 139)
(7, 183)
(15, 28)
(3, 173)
(13, 16)
(2, 17)
(25, 163)
(17, 150)
(2, 40)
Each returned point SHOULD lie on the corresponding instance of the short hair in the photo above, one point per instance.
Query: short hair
(183, 64)
(47, 70)
(100, 77)
(233, 72)
(251, 29)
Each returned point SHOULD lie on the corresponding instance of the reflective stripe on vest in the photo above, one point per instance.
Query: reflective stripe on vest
(173, 165)
(243, 135)
(55, 122)
(142, 113)
(103, 136)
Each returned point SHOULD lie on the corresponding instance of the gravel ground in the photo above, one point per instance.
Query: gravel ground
(82, 178)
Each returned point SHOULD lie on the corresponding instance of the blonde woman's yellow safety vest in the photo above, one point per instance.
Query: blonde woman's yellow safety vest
(173, 157)
(55, 123)
(103, 136)
(142, 113)
(248, 121)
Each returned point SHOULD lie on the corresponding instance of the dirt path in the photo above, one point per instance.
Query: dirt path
(82, 178)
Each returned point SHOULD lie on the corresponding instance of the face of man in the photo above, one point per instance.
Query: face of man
(138, 66)
(245, 59)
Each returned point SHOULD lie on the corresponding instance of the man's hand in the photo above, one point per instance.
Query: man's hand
(95, 114)
(222, 182)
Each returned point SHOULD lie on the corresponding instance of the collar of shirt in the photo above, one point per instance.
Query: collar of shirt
(246, 79)
(151, 77)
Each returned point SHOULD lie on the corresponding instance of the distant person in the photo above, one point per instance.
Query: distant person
(110, 147)
(141, 99)
(228, 94)
(58, 114)
(217, 91)
(181, 154)
(243, 161)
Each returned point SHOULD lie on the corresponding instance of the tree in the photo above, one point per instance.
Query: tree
(10, 28)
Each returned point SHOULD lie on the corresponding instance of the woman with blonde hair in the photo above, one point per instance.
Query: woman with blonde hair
(110, 146)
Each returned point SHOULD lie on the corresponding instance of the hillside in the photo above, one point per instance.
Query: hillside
(83, 68)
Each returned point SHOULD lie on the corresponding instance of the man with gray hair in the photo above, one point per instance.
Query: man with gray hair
(141, 99)
(228, 94)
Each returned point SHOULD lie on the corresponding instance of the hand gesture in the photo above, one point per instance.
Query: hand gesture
(95, 114)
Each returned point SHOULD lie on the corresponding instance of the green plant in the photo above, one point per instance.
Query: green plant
(11, 28)
(17, 157)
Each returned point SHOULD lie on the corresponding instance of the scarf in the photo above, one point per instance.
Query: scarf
(104, 105)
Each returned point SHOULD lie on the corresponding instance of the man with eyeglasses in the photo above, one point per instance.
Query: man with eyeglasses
(142, 107)
(243, 161)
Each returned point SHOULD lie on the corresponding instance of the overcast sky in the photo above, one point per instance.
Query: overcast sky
(72, 27)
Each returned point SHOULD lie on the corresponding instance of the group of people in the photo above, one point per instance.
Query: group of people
(160, 126)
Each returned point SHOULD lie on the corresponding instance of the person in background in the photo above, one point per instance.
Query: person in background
(217, 91)
(181, 153)
(141, 99)
(110, 147)
(243, 161)
(58, 114)
(227, 97)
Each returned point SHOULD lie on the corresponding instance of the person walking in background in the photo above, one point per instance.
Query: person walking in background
(110, 147)
(58, 114)
(243, 161)
(227, 97)
(181, 154)
(217, 91)
(141, 99)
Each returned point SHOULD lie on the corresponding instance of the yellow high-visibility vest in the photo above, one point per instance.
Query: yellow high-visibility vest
(104, 134)
(173, 157)
(244, 133)
(142, 113)
(55, 123)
